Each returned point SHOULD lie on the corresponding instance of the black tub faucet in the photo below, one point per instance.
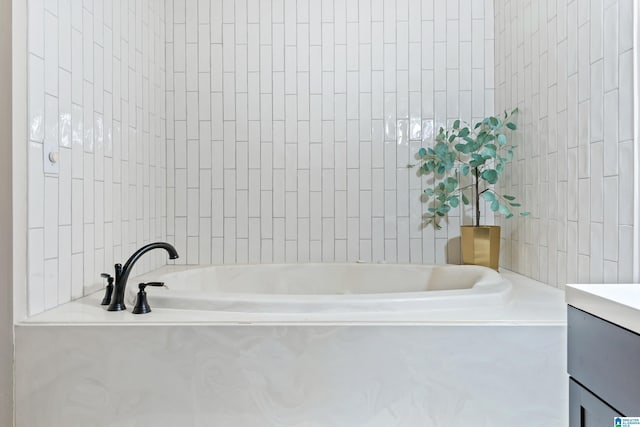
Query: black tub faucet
(122, 273)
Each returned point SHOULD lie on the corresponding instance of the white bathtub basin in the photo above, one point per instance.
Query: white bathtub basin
(318, 288)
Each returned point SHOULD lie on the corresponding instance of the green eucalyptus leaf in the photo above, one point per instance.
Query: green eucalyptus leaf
(441, 149)
(450, 184)
(506, 196)
(495, 205)
(504, 210)
(463, 148)
(465, 199)
(490, 175)
(456, 124)
(515, 205)
(465, 170)
(422, 152)
(511, 125)
(502, 139)
(515, 110)
(525, 213)
(454, 201)
(463, 132)
(488, 196)
(489, 151)
(443, 209)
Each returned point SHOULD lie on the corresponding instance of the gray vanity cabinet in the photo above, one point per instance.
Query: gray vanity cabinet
(604, 365)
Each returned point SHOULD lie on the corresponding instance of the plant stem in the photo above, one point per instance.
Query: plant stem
(477, 204)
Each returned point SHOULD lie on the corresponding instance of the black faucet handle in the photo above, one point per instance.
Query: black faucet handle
(142, 306)
(141, 286)
(108, 290)
(107, 276)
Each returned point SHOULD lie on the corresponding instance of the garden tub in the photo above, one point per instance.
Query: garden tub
(325, 288)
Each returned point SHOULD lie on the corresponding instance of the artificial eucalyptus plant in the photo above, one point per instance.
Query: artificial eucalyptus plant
(460, 151)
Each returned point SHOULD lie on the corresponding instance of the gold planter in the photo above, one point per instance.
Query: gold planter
(481, 245)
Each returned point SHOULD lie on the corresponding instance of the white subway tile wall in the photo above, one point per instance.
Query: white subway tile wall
(279, 131)
(290, 124)
(96, 94)
(568, 66)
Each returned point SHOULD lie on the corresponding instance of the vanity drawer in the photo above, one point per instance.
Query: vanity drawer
(605, 358)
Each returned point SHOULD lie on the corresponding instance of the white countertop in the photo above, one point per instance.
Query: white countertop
(616, 303)
(532, 302)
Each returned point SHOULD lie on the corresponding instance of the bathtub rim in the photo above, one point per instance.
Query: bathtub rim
(533, 302)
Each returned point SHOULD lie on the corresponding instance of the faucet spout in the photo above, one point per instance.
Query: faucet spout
(122, 272)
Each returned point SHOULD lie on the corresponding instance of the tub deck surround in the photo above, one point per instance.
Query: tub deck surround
(291, 375)
(484, 366)
(524, 302)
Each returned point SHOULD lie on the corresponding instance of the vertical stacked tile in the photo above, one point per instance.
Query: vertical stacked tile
(291, 124)
(568, 66)
(97, 93)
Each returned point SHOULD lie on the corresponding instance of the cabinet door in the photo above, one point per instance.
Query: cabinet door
(586, 410)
